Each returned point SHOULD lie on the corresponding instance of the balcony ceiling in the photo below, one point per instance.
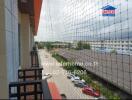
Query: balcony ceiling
(26, 6)
(33, 8)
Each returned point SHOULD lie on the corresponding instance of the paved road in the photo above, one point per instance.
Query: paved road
(65, 85)
(115, 68)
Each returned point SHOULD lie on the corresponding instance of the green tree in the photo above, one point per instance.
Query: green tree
(40, 45)
(79, 45)
(49, 46)
(69, 45)
(86, 46)
(113, 51)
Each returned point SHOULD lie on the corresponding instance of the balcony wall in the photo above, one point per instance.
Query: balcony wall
(26, 38)
(9, 52)
(16, 42)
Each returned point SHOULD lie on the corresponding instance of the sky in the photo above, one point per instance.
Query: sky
(60, 19)
(50, 20)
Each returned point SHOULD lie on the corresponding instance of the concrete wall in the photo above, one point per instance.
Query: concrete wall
(11, 27)
(9, 58)
(3, 68)
(9, 43)
(31, 38)
(25, 37)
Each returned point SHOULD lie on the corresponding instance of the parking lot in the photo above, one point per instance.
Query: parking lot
(59, 76)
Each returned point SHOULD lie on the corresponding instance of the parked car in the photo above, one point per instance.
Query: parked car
(69, 76)
(76, 78)
(80, 84)
(63, 96)
(90, 91)
(47, 75)
(83, 80)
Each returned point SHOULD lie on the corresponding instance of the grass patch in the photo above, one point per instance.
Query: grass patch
(59, 58)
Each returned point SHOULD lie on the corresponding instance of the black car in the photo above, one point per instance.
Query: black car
(80, 84)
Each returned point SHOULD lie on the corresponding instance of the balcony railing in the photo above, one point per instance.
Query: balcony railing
(30, 74)
(26, 90)
(29, 85)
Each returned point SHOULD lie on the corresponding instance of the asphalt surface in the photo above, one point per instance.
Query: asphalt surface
(58, 75)
(115, 68)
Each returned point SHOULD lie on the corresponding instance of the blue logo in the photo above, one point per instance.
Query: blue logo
(108, 11)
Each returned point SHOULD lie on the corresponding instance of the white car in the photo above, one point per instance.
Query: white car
(76, 78)
(79, 81)
(83, 80)
(80, 84)
(47, 75)
(70, 76)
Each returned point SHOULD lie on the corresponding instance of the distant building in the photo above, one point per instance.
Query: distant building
(121, 46)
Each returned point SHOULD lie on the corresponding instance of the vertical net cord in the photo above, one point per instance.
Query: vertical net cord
(122, 40)
(129, 48)
(106, 55)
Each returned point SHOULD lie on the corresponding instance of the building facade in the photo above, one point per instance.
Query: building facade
(19, 22)
(121, 47)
